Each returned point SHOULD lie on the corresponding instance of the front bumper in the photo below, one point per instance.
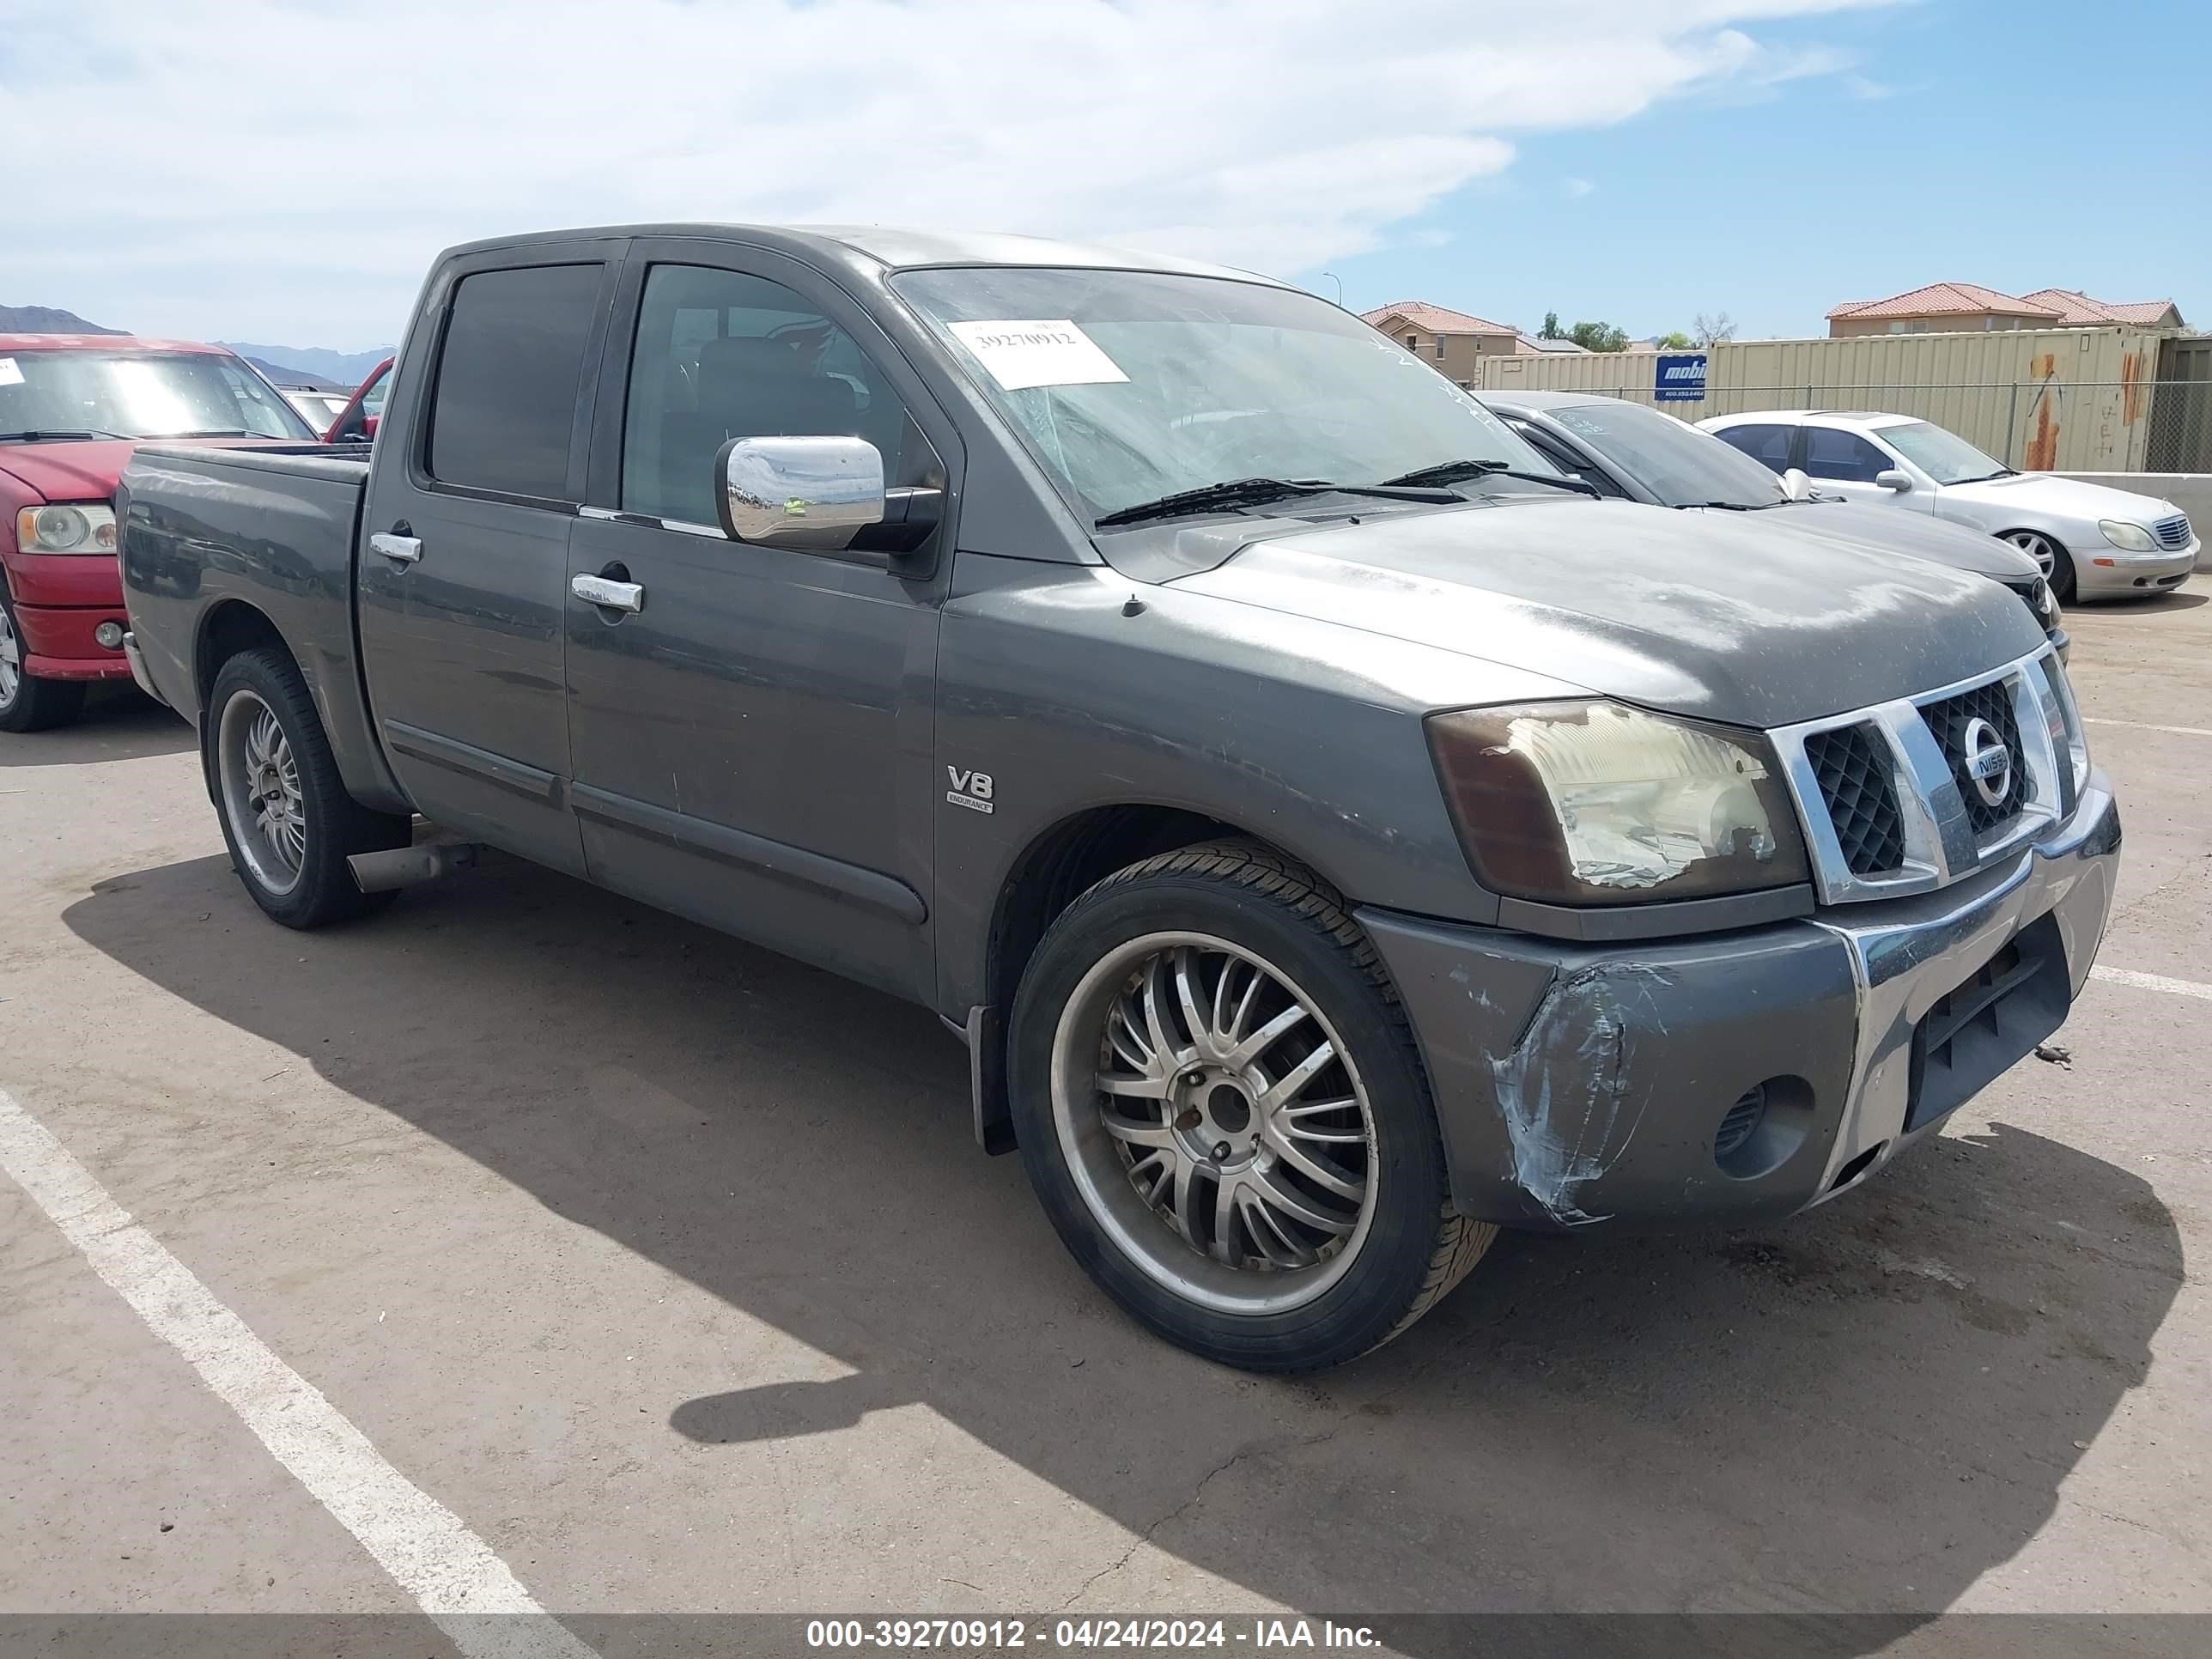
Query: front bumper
(60, 600)
(1581, 1085)
(60, 644)
(2106, 573)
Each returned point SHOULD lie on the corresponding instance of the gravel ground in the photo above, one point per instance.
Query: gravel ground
(668, 1266)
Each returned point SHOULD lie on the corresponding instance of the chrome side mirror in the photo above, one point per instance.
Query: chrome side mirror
(800, 492)
(1894, 479)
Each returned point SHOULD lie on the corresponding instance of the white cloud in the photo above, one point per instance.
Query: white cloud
(285, 171)
(1579, 187)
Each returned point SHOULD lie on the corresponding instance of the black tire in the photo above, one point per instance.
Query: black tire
(335, 826)
(1413, 1248)
(30, 704)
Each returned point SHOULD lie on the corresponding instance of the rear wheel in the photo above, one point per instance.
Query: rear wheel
(286, 816)
(29, 704)
(2049, 557)
(1222, 1111)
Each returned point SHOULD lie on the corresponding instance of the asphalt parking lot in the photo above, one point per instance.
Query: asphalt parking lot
(668, 1268)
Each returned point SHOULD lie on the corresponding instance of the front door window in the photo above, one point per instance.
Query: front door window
(722, 355)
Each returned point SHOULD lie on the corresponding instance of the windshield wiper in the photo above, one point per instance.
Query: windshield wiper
(38, 435)
(1258, 492)
(1449, 472)
(220, 431)
(2002, 472)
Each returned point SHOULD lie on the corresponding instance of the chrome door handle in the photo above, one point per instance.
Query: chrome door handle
(405, 550)
(614, 596)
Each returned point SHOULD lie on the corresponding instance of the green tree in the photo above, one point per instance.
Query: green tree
(1551, 328)
(1599, 337)
(1677, 341)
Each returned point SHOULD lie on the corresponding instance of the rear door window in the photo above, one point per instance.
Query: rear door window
(1767, 444)
(508, 378)
(1845, 457)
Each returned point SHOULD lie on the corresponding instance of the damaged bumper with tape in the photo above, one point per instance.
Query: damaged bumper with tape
(1738, 1078)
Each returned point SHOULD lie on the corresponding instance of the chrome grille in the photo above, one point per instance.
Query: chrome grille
(1951, 719)
(1860, 796)
(1933, 826)
(2173, 533)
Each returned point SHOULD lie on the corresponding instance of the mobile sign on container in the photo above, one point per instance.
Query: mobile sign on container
(1681, 379)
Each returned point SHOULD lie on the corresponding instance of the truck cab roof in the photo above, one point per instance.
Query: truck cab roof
(891, 247)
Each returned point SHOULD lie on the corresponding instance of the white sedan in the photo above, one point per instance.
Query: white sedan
(2096, 543)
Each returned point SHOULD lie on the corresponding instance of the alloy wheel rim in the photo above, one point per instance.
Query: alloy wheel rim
(1215, 1122)
(11, 659)
(2036, 547)
(261, 793)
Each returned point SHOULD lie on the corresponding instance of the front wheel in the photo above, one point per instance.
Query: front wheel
(286, 816)
(1221, 1106)
(27, 703)
(2049, 557)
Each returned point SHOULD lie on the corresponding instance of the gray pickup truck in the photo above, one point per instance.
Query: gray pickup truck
(1334, 834)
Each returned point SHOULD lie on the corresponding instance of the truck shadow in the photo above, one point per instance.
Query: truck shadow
(1863, 1411)
(119, 723)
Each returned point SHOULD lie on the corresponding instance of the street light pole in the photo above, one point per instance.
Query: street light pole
(1339, 280)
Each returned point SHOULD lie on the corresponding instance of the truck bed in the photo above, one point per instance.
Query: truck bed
(209, 534)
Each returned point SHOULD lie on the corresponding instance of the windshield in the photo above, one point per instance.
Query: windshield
(1131, 385)
(141, 394)
(1680, 465)
(1944, 456)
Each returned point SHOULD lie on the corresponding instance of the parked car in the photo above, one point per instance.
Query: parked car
(1633, 452)
(1333, 834)
(71, 406)
(357, 422)
(2095, 542)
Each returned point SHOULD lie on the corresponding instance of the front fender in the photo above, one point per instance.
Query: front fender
(1072, 688)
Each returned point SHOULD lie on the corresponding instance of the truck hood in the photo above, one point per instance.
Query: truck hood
(83, 471)
(1723, 617)
(2047, 495)
(1887, 529)
(89, 469)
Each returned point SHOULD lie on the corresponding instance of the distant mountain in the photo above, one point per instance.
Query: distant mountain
(343, 368)
(298, 377)
(45, 319)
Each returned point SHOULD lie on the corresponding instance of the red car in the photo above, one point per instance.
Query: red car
(357, 422)
(71, 406)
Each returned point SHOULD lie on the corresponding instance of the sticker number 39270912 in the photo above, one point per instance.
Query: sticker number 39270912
(1037, 351)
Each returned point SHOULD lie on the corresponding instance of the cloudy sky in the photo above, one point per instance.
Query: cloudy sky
(246, 169)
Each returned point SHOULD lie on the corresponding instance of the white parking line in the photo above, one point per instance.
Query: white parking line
(2144, 726)
(451, 1573)
(2180, 987)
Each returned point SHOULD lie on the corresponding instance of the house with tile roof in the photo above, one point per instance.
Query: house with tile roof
(1957, 307)
(1453, 340)
(2080, 311)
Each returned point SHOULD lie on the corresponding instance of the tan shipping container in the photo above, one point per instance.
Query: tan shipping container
(2059, 399)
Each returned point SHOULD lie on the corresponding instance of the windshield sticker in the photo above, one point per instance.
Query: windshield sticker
(10, 375)
(1035, 352)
